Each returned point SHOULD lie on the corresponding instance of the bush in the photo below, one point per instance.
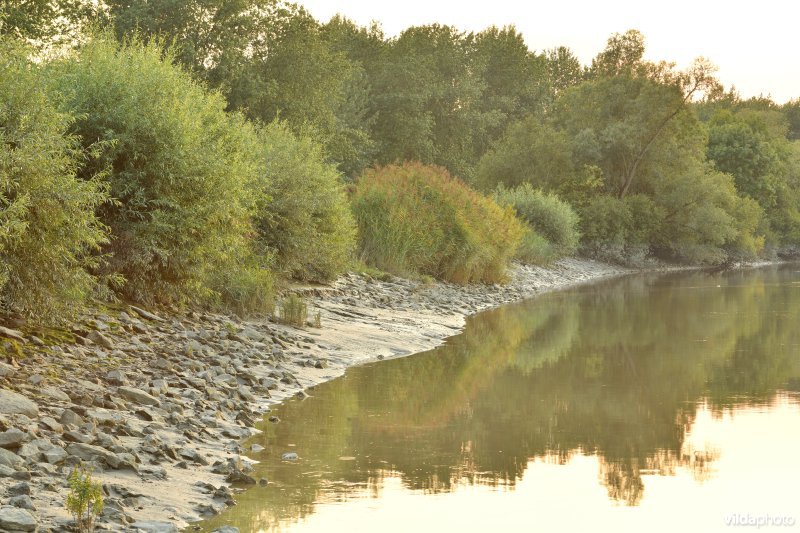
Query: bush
(417, 219)
(303, 213)
(180, 168)
(85, 498)
(553, 223)
(48, 230)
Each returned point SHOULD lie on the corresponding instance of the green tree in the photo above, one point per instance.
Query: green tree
(49, 234)
(180, 169)
(303, 213)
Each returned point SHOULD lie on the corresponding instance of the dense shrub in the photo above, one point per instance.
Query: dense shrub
(553, 223)
(180, 168)
(417, 219)
(303, 213)
(48, 230)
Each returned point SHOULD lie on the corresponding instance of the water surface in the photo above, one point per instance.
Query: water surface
(649, 403)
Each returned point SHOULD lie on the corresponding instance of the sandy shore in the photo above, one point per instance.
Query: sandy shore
(157, 404)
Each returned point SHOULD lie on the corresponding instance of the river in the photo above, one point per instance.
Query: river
(649, 403)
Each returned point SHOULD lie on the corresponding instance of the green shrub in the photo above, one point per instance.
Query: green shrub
(553, 223)
(535, 249)
(417, 219)
(303, 212)
(180, 168)
(48, 230)
(293, 311)
(85, 498)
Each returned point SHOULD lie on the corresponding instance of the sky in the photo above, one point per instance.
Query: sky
(753, 43)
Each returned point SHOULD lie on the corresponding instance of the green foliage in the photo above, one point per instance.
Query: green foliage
(180, 168)
(85, 498)
(294, 311)
(553, 223)
(303, 213)
(532, 151)
(48, 231)
(417, 219)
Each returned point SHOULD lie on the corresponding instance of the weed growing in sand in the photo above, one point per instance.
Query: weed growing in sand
(85, 498)
(293, 311)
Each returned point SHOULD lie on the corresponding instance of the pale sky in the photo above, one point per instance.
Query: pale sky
(754, 43)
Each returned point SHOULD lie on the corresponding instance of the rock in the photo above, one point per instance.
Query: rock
(51, 424)
(137, 395)
(226, 529)
(289, 456)
(237, 476)
(55, 455)
(152, 526)
(274, 419)
(19, 489)
(100, 339)
(12, 439)
(263, 482)
(70, 417)
(87, 452)
(55, 394)
(77, 436)
(6, 471)
(6, 370)
(12, 403)
(255, 448)
(146, 314)
(14, 519)
(22, 501)
(10, 459)
(12, 334)
(116, 377)
(30, 451)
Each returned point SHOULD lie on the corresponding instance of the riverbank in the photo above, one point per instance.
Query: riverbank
(157, 404)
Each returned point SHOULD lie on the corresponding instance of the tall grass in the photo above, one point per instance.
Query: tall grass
(417, 219)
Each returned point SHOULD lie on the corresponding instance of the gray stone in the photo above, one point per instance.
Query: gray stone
(14, 519)
(30, 451)
(289, 456)
(19, 488)
(55, 394)
(12, 438)
(77, 436)
(22, 501)
(87, 452)
(100, 339)
(6, 471)
(12, 403)
(137, 395)
(6, 370)
(226, 529)
(51, 424)
(70, 417)
(152, 526)
(146, 314)
(55, 455)
(10, 459)
(116, 377)
(11, 334)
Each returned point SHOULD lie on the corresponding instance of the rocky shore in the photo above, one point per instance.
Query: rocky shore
(157, 404)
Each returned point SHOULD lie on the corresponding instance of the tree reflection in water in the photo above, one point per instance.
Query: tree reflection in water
(615, 369)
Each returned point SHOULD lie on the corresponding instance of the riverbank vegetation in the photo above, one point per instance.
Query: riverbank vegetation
(200, 153)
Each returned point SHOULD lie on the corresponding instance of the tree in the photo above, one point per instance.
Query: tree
(49, 234)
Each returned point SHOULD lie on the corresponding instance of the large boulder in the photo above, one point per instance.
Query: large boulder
(12, 403)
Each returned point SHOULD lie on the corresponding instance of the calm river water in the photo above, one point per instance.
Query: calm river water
(649, 403)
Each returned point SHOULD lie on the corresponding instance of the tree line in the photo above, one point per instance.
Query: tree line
(212, 146)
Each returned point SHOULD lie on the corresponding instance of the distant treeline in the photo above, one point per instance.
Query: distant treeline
(193, 152)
